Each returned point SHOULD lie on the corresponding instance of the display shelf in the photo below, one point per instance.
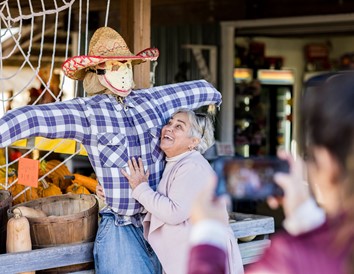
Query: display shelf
(262, 109)
(64, 146)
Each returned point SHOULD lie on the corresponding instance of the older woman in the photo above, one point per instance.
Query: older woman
(166, 226)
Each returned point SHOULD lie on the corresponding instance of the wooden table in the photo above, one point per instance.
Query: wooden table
(64, 255)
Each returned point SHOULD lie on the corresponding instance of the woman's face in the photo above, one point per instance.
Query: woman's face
(325, 178)
(175, 136)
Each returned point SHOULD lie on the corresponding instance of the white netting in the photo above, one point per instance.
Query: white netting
(37, 36)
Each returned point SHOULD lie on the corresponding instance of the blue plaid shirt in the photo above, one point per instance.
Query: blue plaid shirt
(112, 133)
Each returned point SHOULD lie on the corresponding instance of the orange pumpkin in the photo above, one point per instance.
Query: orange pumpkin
(46, 189)
(77, 189)
(56, 173)
(85, 181)
(29, 195)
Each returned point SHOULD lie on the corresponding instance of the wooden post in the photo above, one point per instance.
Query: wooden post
(135, 28)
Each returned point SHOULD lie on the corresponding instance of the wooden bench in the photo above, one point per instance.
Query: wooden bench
(66, 255)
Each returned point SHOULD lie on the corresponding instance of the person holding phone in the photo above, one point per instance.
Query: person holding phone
(166, 226)
(327, 245)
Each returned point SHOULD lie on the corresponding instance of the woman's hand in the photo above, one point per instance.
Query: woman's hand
(296, 190)
(137, 173)
(207, 207)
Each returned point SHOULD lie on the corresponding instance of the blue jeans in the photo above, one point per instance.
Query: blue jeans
(123, 249)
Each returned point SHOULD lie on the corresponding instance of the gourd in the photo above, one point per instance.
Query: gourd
(57, 176)
(48, 189)
(247, 238)
(85, 181)
(29, 195)
(77, 189)
(11, 176)
(18, 236)
(29, 212)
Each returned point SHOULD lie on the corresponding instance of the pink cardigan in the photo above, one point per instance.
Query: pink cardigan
(166, 226)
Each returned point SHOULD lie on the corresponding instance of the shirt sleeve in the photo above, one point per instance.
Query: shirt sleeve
(209, 232)
(182, 190)
(276, 259)
(306, 218)
(56, 120)
(206, 259)
(192, 95)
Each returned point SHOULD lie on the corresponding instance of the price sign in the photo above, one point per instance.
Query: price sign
(28, 172)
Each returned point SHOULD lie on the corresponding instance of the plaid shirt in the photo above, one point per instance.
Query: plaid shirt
(112, 133)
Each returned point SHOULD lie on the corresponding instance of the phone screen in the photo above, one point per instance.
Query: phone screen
(249, 178)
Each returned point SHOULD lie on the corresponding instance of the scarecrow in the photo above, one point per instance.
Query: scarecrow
(114, 124)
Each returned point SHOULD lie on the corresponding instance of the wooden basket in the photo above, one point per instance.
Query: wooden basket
(72, 218)
(5, 204)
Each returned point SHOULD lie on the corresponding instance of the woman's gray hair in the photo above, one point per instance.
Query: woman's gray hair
(201, 127)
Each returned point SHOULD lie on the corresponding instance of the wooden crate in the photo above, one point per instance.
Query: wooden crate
(251, 225)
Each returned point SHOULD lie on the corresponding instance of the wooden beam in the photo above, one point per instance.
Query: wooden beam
(46, 258)
(136, 30)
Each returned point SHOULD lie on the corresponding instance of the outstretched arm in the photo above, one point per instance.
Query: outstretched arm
(57, 120)
(192, 95)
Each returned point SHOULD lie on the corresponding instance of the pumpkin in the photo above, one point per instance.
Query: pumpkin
(77, 189)
(29, 195)
(85, 181)
(57, 171)
(11, 176)
(48, 189)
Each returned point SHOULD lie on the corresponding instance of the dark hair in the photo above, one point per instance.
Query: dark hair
(328, 121)
(328, 117)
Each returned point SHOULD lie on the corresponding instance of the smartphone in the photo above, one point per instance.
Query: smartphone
(249, 178)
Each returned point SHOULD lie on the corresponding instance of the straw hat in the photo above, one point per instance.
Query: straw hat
(105, 44)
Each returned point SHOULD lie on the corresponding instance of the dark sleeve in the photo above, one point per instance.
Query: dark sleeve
(206, 259)
(279, 257)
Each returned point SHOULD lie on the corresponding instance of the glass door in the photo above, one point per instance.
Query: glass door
(263, 113)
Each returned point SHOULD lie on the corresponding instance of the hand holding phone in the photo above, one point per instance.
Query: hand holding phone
(249, 178)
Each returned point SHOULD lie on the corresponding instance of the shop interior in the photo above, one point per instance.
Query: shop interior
(261, 67)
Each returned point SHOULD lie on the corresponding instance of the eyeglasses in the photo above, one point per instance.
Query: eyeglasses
(201, 115)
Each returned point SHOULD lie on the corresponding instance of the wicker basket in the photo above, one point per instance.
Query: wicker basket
(71, 218)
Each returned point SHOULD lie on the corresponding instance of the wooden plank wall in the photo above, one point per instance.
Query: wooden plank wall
(170, 39)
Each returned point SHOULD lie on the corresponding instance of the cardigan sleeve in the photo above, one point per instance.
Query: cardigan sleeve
(183, 187)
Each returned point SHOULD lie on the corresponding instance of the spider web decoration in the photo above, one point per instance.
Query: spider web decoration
(37, 36)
